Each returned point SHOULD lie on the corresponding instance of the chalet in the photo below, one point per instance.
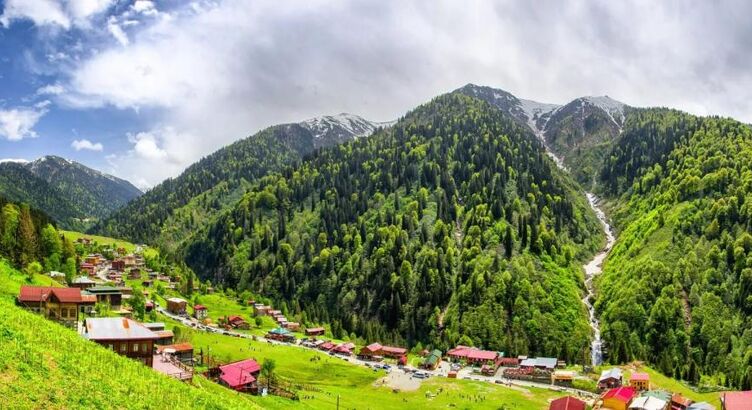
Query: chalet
(134, 273)
(562, 378)
(199, 311)
(344, 348)
(610, 379)
(107, 294)
(315, 331)
(432, 360)
(281, 334)
(237, 322)
(260, 310)
(240, 376)
(92, 260)
(183, 352)
(83, 282)
(292, 326)
(543, 363)
(123, 336)
(618, 398)
(88, 268)
(471, 355)
(639, 381)
(176, 305)
(679, 402)
(271, 312)
(59, 304)
(376, 350)
(736, 400)
(118, 265)
(567, 403)
(326, 346)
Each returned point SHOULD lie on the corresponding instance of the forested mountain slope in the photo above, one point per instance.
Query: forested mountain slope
(677, 287)
(69, 192)
(451, 226)
(169, 212)
(581, 132)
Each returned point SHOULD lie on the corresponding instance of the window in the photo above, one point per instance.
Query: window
(144, 347)
(123, 347)
(111, 346)
(135, 347)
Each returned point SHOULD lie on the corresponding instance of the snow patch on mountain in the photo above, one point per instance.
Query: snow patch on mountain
(351, 124)
(14, 160)
(535, 111)
(614, 109)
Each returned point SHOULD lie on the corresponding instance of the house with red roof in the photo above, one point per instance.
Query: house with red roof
(237, 322)
(567, 403)
(240, 376)
(639, 381)
(736, 400)
(344, 348)
(59, 304)
(200, 311)
(618, 398)
(376, 351)
(315, 331)
(472, 355)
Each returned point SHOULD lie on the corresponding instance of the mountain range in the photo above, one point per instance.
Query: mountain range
(71, 193)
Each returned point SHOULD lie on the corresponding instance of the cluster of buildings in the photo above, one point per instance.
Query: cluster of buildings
(259, 309)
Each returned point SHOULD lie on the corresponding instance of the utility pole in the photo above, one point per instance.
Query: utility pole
(338, 402)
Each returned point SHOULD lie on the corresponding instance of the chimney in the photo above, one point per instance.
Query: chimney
(125, 323)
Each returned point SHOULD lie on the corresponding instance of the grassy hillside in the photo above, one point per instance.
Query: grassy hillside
(44, 365)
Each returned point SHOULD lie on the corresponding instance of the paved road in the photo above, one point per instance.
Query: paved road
(465, 373)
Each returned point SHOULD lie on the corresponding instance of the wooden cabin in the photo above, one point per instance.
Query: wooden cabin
(123, 336)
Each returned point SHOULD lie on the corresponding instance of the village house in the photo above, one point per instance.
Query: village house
(679, 402)
(280, 334)
(237, 322)
(107, 294)
(260, 309)
(60, 304)
(543, 363)
(618, 398)
(183, 352)
(736, 400)
(610, 379)
(472, 355)
(292, 326)
(509, 361)
(176, 305)
(88, 268)
(123, 336)
(200, 312)
(240, 376)
(83, 282)
(432, 360)
(134, 273)
(92, 260)
(315, 331)
(376, 351)
(562, 378)
(326, 346)
(639, 381)
(648, 403)
(344, 348)
(567, 403)
(118, 265)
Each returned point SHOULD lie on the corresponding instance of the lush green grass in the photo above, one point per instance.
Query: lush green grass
(44, 365)
(319, 378)
(11, 280)
(116, 243)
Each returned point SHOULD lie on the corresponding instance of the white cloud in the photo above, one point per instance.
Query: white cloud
(18, 123)
(226, 69)
(51, 89)
(117, 31)
(17, 160)
(85, 144)
(41, 12)
(145, 145)
(54, 12)
(144, 7)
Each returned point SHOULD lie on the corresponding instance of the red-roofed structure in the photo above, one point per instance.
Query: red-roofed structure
(200, 311)
(639, 381)
(736, 400)
(472, 354)
(618, 398)
(375, 350)
(567, 403)
(240, 376)
(60, 304)
(344, 348)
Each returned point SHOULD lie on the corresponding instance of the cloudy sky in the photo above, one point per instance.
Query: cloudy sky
(141, 89)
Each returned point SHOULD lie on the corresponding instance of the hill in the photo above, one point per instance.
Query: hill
(580, 132)
(676, 288)
(43, 364)
(69, 192)
(169, 212)
(451, 226)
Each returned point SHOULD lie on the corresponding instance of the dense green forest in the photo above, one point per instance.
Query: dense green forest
(677, 287)
(451, 226)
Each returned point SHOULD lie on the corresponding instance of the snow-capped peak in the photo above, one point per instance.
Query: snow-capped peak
(615, 109)
(351, 124)
(14, 160)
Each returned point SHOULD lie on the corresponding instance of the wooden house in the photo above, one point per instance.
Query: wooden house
(472, 355)
(200, 312)
(123, 336)
(344, 348)
(432, 360)
(240, 376)
(376, 351)
(107, 294)
(292, 326)
(183, 352)
(610, 379)
(176, 305)
(679, 402)
(280, 334)
(118, 265)
(87, 268)
(315, 331)
(237, 322)
(639, 381)
(618, 398)
(60, 304)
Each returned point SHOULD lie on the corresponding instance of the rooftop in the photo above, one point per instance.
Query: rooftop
(239, 373)
(567, 403)
(623, 394)
(113, 328)
(737, 400)
(31, 294)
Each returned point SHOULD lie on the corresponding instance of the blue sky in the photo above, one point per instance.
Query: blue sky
(141, 89)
